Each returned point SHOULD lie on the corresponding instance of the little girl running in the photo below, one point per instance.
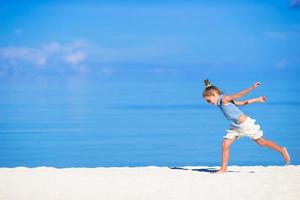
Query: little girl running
(241, 124)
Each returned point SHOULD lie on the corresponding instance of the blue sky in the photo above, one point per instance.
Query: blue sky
(109, 38)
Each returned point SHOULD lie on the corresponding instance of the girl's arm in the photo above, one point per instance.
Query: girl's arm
(261, 99)
(240, 94)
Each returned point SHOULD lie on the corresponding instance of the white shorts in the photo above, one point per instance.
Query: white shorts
(247, 128)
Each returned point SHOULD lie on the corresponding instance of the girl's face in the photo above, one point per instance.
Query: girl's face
(213, 99)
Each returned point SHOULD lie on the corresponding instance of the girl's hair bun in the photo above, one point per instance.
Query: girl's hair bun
(207, 83)
(210, 89)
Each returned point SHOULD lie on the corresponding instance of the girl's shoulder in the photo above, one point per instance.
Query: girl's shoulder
(225, 100)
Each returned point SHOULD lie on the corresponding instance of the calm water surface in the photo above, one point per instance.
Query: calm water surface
(78, 122)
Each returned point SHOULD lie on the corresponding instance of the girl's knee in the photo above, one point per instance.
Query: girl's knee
(261, 142)
(226, 144)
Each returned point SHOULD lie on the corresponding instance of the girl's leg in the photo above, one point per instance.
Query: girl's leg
(267, 143)
(225, 154)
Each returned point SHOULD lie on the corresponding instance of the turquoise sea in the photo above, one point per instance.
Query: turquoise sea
(86, 122)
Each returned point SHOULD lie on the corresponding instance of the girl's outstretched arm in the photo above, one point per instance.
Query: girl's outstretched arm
(241, 94)
(261, 99)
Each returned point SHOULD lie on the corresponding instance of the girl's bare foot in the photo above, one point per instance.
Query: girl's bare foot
(286, 156)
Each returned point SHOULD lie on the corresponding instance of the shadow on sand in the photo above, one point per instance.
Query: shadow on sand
(208, 169)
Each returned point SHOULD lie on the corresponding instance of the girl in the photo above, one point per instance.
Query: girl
(241, 124)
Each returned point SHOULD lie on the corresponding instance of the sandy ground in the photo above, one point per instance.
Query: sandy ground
(256, 182)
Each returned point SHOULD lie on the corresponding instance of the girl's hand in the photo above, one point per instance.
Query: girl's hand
(255, 85)
(262, 99)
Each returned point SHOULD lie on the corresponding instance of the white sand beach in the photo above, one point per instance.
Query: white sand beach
(155, 183)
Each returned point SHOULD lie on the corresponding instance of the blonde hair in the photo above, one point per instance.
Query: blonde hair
(210, 89)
